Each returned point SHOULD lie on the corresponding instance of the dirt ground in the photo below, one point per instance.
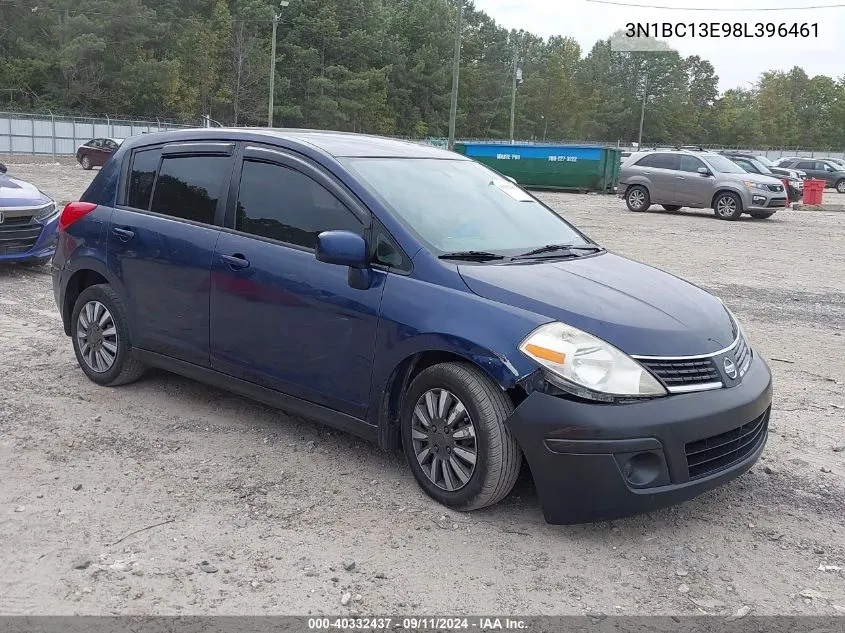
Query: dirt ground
(289, 516)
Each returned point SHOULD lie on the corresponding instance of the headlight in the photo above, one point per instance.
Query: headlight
(755, 185)
(587, 366)
(46, 211)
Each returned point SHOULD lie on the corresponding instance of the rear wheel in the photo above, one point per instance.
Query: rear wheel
(101, 339)
(761, 215)
(455, 439)
(727, 206)
(671, 207)
(86, 163)
(840, 186)
(637, 198)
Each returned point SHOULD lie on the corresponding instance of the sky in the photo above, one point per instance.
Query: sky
(738, 62)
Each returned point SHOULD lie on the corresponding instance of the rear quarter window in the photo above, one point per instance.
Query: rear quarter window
(142, 175)
(103, 189)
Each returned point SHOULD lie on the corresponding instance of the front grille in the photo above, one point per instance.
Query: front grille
(775, 187)
(18, 235)
(716, 453)
(687, 372)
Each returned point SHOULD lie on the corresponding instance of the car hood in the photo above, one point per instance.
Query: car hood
(18, 193)
(638, 309)
(762, 179)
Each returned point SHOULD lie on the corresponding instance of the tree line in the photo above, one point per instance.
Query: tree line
(385, 66)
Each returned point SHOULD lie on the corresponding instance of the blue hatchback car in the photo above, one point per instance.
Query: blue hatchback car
(28, 222)
(416, 298)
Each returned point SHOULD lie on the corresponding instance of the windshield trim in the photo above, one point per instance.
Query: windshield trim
(349, 162)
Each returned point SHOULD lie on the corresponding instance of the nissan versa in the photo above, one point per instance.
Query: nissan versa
(416, 298)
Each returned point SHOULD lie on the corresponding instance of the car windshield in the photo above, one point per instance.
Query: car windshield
(460, 205)
(765, 161)
(761, 167)
(724, 165)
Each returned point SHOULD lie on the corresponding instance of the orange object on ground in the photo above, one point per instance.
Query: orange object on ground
(813, 190)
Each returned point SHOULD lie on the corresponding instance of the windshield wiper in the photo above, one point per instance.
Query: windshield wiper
(471, 256)
(564, 249)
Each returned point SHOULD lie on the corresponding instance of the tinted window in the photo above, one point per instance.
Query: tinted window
(806, 165)
(286, 205)
(691, 163)
(142, 177)
(188, 187)
(826, 167)
(724, 165)
(660, 161)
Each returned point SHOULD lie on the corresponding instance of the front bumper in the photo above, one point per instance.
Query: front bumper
(759, 200)
(25, 243)
(595, 462)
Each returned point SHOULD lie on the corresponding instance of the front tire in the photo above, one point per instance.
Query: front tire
(637, 198)
(840, 186)
(455, 439)
(101, 338)
(727, 206)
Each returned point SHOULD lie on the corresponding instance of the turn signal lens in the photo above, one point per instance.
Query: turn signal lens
(545, 353)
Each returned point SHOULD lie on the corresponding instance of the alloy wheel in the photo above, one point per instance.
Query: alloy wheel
(444, 439)
(726, 206)
(96, 335)
(636, 198)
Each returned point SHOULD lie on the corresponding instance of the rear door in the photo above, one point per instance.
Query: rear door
(161, 242)
(661, 170)
(279, 317)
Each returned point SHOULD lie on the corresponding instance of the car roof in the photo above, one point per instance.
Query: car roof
(336, 144)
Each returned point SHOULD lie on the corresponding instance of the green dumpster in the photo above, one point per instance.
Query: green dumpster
(561, 167)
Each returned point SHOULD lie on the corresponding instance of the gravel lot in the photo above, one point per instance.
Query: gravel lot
(281, 507)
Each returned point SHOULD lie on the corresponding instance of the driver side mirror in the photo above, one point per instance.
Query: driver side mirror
(3, 169)
(343, 248)
(703, 171)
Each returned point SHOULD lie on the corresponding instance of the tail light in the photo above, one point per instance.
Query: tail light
(74, 211)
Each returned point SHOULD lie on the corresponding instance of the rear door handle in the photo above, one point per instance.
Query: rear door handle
(236, 261)
(124, 234)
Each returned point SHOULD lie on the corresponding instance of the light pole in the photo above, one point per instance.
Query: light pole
(276, 18)
(642, 110)
(456, 69)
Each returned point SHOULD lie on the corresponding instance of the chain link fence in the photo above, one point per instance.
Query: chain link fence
(47, 135)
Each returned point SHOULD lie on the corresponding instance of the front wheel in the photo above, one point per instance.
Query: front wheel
(101, 340)
(840, 186)
(455, 439)
(637, 198)
(727, 206)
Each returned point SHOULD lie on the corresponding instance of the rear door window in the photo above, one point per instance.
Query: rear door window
(806, 165)
(661, 161)
(142, 175)
(189, 187)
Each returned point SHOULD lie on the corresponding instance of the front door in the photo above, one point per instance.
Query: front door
(280, 318)
(161, 242)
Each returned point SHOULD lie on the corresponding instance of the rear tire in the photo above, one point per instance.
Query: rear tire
(727, 206)
(671, 207)
(761, 215)
(86, 163)
(458, 447)
(637, 198)
(101, 339)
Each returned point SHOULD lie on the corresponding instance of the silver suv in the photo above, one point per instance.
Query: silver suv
(699, 180)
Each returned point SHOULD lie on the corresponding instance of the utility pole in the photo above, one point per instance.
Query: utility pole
(642, 110)
(513, 92)
(276, 18)
(456, 69)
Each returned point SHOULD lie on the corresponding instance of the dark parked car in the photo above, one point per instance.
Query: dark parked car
(28, 221)
(820, 169)
(96, 152)
(755, 164)
(418, 299)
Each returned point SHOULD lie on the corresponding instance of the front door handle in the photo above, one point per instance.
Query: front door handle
(124, 234)
(236, 261)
